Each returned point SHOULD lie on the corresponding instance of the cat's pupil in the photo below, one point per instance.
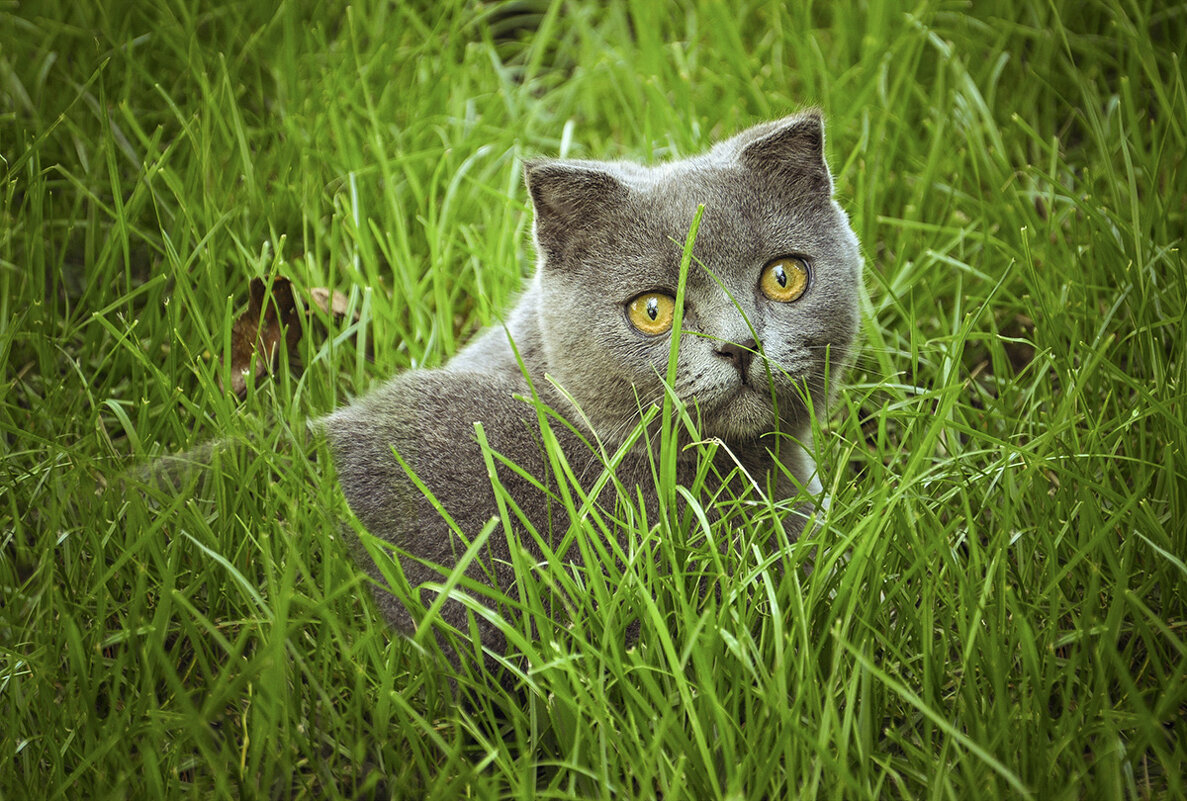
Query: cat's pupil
(653, 308)
(781, 276)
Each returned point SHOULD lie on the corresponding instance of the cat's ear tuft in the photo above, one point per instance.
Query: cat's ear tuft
(570, 199)
(792, 147)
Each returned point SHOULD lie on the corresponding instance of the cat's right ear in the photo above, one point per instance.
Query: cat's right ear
(792, 148)
(570, 200)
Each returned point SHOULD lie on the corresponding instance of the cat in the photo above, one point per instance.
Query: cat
(770, 312)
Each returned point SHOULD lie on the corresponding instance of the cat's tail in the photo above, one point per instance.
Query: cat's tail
(193, 468)
(174, 471)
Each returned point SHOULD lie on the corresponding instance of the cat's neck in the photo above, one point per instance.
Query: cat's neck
(491, 352)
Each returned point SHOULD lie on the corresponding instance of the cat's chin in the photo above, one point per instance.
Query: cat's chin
(741, 414)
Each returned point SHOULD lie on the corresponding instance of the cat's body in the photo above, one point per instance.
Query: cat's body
(770, 311)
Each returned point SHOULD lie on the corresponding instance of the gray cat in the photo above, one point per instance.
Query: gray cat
(770, 312)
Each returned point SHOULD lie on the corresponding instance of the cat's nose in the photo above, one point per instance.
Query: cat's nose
(738, 353)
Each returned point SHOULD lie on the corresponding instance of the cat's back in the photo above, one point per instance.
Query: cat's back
(427, 418)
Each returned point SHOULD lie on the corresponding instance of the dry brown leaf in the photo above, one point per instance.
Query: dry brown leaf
(271, 318)
(331, 302)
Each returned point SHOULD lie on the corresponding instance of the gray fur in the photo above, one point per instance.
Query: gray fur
(606, 232)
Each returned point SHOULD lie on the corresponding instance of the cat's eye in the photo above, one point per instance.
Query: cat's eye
(784, 279)
(651, 313)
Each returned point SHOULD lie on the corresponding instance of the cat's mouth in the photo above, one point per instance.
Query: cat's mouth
(740, 412)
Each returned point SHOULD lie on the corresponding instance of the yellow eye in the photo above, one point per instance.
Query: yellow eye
(784, 279)
(651, 313)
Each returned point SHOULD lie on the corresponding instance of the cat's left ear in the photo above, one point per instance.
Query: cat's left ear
(571, 199)
(791, 148)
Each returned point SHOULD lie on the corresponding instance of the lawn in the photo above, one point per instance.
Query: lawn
(998, 607)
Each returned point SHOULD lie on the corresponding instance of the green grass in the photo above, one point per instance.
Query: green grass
(999, 607)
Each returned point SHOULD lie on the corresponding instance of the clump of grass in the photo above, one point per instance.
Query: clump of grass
(997, 602)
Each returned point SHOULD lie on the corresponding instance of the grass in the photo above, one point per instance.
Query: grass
(999, 607)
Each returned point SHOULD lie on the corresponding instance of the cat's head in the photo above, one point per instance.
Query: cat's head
(771, 296)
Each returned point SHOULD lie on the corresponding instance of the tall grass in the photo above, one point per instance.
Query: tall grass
(997, 606)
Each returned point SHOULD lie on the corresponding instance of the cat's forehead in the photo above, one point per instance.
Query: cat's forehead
(745, 216)
(700, 179)
(635, 235)
(732, 195)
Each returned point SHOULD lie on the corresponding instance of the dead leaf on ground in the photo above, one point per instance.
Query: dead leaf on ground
(271, 318)
(331, 302)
